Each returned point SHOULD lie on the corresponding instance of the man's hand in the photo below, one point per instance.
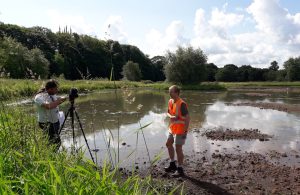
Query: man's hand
(62, 99)
(171, 116)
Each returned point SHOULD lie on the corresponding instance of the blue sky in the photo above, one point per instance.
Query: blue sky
(240, 32)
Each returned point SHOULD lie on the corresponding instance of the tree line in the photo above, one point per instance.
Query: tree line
(37, 52)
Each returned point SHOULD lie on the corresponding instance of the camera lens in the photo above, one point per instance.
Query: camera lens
(73, 94)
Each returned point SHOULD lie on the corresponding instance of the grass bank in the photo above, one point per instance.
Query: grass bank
(29, 165)
(14, 88)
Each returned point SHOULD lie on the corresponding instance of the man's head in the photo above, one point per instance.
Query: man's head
(174, 92)
(51, 87)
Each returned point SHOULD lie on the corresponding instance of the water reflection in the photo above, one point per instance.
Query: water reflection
(111, 116)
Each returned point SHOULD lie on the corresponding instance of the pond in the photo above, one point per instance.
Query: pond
(121, 124)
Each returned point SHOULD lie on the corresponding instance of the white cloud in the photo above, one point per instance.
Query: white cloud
(114, 28)
(211, 35)
(76, 22)
(199, 22)
(221, 21)
(158, 43)
(274, 20)
(276, 36)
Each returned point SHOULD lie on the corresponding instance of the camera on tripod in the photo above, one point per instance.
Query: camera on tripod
(73, 114)
(73, 94)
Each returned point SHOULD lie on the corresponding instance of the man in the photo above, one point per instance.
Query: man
(178, 129)
(48, 113)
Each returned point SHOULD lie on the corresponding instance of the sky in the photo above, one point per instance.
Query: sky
(240, 32)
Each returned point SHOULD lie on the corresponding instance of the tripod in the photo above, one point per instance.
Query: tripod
(71, 112)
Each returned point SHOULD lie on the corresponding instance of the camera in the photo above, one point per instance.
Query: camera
(73, 94)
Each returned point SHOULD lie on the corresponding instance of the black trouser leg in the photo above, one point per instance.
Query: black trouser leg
(52, 131)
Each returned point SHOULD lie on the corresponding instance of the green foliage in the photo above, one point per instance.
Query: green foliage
(211, 70)
(292, 66)
(117, 58)
(186, 65)
(281, 75)
(274, 66)
(227, 74)
(20, 62)
(38, 52)
(158, 63)
(16, 88)
(134, 54)
(30, 165)
(131, 71)
(59, 63)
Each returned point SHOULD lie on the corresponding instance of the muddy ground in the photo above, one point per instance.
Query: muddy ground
(229, 134)
(238, 173)
(248, 173)
(267, 89)
(273, 106)
(258, 94)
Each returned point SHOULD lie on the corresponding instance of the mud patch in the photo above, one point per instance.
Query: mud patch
(229, 134)
(247, 173)
(258, 94)
(273, 106)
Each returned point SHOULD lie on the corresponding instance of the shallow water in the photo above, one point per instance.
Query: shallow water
(109, 116)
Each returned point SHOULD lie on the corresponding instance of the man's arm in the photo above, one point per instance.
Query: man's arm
(185, 113)
(41, 102)
(54, 104)
(187, 123)
(170, 116)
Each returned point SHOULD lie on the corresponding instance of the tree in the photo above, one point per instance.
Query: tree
(21, 62)
(243, 73)
(117, 59)
(228, 73)
(38, 64)
(158, 63)
(274, 66)
(271, 75)
(95, 56)
(281, 75)
(131, 71)
(292, 67)
(132, 53)
(59, 62)
(186, 65)
(211, 70)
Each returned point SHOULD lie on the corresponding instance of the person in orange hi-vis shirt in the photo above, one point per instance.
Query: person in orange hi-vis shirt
(178, 129)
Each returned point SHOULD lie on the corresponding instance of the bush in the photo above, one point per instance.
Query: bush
(19, 62)
(186, 66)
(132, 71)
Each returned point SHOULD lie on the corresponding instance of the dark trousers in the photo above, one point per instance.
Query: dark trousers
(51, 129)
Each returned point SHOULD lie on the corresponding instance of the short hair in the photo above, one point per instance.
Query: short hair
(176, 89)
(51, 84)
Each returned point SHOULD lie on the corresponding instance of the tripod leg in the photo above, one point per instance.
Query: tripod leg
(84, 136)
(62, 126)
(72, 126)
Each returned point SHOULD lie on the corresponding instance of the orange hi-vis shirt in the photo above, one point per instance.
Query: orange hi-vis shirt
(177, 123)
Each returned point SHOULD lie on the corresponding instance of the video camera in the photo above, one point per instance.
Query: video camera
(73, 94)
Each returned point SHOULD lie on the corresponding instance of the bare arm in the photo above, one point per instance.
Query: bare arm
(186, 123)
(54, 104)
(170, 116)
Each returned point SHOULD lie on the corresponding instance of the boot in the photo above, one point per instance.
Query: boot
(179, 172)
(172, 167)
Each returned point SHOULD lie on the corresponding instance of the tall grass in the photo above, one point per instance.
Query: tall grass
(12, 88)
(29, 165)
